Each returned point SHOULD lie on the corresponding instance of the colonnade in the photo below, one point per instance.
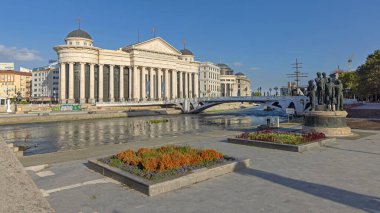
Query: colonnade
(227, 89)
(90, 83)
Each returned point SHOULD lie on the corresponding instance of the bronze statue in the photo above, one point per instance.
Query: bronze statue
(329, 94)
(311, 94)
(320, 84)
(324, 82)
(339, 95)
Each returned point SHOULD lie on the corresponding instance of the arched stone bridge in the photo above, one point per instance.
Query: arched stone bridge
(197, 105)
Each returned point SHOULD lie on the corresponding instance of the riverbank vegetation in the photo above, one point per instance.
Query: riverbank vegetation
(157, 121)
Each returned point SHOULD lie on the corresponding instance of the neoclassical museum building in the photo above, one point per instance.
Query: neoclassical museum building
(147, 70)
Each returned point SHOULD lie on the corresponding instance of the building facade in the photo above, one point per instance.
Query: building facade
(209, 80)
(147, 70)
(12, 82)
(243, 85)
(233, 84)
(45, 84)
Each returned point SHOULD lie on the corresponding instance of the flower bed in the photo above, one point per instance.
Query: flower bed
(282, 137)
(165, 162)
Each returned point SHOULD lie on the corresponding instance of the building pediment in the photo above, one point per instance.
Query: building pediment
(154, 45)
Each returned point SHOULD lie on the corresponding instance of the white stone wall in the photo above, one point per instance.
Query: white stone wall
(209, 80)
(45, 83)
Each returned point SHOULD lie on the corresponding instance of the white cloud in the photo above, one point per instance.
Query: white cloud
(254, 69)
(237, 64)
(18, 54)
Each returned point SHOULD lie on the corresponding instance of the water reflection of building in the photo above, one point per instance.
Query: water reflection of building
(230, 121)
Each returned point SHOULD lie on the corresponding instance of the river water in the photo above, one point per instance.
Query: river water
(60, 136)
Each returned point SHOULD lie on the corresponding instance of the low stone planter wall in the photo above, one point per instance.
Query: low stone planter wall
(282, 146)
(151, 188)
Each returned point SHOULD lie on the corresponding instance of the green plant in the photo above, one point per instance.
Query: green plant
(115, 162)
(157, 121)
(282, 137)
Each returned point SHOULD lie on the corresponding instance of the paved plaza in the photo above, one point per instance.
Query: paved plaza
(344, 177)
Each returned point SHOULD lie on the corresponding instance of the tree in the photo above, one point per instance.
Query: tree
(369, 77)
(275, 89)
(350, 84)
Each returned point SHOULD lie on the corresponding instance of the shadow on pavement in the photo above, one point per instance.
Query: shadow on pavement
(351, 150)
(359, 201)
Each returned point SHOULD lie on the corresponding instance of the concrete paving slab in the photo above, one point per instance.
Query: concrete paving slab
(339, 178)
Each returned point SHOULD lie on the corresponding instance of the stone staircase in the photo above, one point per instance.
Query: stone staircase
(16, 150)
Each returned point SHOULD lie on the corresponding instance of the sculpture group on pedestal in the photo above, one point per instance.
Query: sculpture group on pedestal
(325, 92)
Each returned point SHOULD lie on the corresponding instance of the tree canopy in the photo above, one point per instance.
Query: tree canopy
(368, 78)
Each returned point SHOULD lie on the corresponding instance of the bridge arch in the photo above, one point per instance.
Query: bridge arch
(212, 104)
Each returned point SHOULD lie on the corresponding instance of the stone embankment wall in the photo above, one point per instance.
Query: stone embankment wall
(18, 191)
(54, 117)
(363, 113)
(30, 108)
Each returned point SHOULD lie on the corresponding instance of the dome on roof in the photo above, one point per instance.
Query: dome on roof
(223, 65)
(240, 73)
(186, 52)
(79, 34)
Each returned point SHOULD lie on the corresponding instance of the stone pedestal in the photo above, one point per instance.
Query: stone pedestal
(331, 123)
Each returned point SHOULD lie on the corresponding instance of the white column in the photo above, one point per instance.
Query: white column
(100, 92)
(130, 82)
(151, 84)
(71, 82)
(62, 83)
(190, 85)
(136, 84)
(167, 89)
(174, 84)
(196, 85)
(121, 88)
(82, 84)
(186, 85)
(143, 83)
(159, 82)
(111, 90)
(180, 83)
(92, 84)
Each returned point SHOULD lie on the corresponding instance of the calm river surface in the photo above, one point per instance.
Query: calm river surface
(59, 136)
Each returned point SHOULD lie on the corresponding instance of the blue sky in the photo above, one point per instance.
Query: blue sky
(259, 38)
